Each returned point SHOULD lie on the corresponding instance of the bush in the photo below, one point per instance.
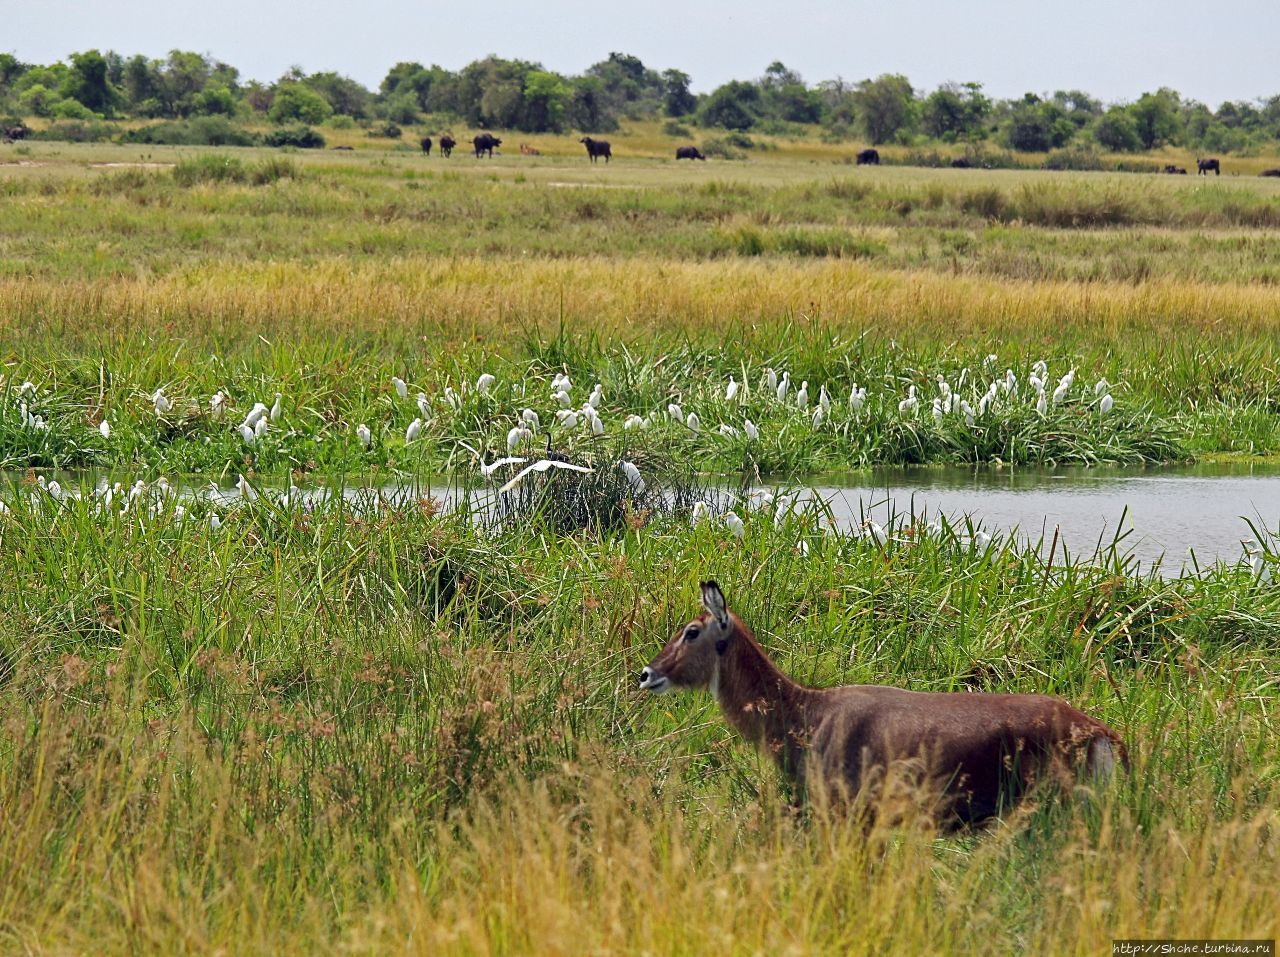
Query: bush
(210, 169)
(302, 137)
(340, 121)
(1074, 158)
(675, 128)
(69, 109)
(200, 131)
(76, 131)
(388, 130)
(719, 147)
(296, 103)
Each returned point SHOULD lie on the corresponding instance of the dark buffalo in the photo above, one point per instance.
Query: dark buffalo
(596, 148)
(1204, 165)
(1270, 172)
(426, 145)
(1172, 170)
(962, 162)
(447, 143)
(485, 144)
(14, 133)
(869, 158)
(688, 153)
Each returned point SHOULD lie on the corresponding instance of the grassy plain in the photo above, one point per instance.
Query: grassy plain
(320, 728)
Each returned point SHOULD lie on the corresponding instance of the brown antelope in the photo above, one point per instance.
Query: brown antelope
(978, 752)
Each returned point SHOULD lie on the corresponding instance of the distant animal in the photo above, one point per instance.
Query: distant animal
(14, 133)
(597, 148)
(346, 148)
(979, 752)
(961, 162)
(1204, 165)
(688, 153)
(527, 150)
(447, 143)
(869, 157)
(1270, 172)
(426, 145)
(1175, 170)
(485, 144)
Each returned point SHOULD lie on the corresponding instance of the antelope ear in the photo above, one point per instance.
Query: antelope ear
(714, 604)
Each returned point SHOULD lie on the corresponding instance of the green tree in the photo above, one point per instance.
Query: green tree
(11, 68)
(734, 106)
(342, 93)
(1156, 116)
(956, 112)
(588, 107)
(87, 82)
(886, 106)
(1117, 131)
(677, 98)
(546, 98)
(1037, 126)
(297, 103)
(38, 100)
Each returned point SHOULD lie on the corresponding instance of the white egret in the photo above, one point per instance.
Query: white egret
(218, 404)
(485, 383)
(1060, 392)
(819, 416)
(27, 388)
(726, 429)
(247, 435)
(413, 431)
(161, 402)
(857, 398)
(731, 390)
(1106, 404)
(247, 491)
(693, 423)
(802, 397)
(255, 414)
(1042, 405)
(937, 412)
(967, 409)
(877, 533)
(633, 476)
(749, 427)
(104, 429)
(277, 408)
(771, 380)
(597, 425)
(1010, 382)
(567, 419)
(910, 402)
(364, 435)
(401, 387)
(1101, 387)
(564, 399)
(675, 411)
(784, 386)
(530, 419)
(261, 428)
(424, 406)
(699, 512)
(541, 466)
(451, 396)
(596, 397)
(735, 524)
(981, 539)
(632, 421)
(215, 523)
(517, 436)
(824, 398)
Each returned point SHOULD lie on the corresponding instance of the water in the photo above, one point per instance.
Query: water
(1163, 513)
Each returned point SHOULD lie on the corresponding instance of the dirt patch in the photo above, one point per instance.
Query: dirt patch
(132, 165)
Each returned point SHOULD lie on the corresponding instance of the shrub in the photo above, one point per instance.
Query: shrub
(210, 169)
(1074, 158)
(70, 109)
(675, 128)
(200, 131)
(302, 137)
(388, 129)
(76, 131)
(719, 147)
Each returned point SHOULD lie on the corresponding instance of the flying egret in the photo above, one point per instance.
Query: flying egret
(731, 390)
(749, 427)
(1106, 404)
(488, 470)
(541, 466)
(693, 423)
(413, 431)
(401, 387)
(485, 383)
(364, 435)
(276, 408)
(104, 429)
(633, 476)
(735, 524)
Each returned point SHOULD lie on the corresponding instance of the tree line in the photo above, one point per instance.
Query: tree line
(496, 93)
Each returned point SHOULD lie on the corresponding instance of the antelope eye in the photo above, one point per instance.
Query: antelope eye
(691, 632)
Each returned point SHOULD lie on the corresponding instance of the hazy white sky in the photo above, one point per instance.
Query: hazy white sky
(1211, 50)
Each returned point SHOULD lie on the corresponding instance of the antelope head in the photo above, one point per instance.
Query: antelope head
(691, 658)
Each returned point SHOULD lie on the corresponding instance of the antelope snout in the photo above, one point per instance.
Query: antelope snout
(650, 680)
